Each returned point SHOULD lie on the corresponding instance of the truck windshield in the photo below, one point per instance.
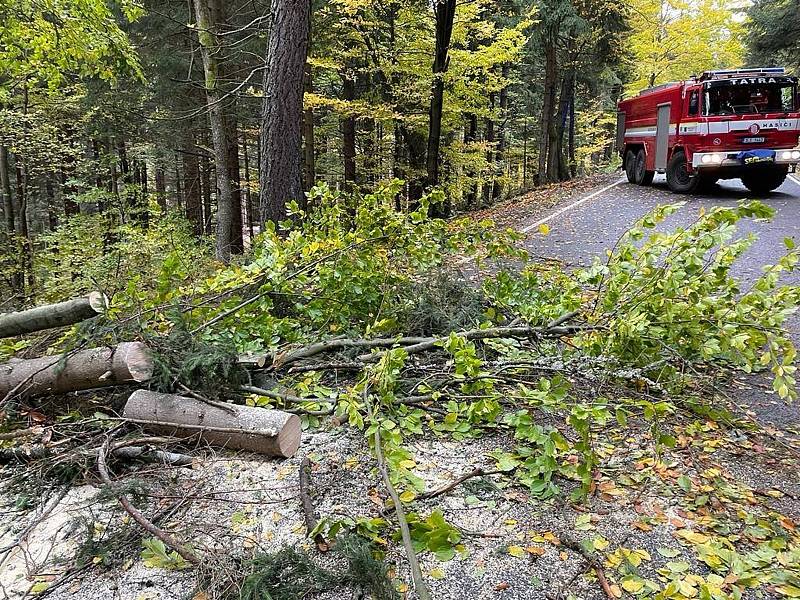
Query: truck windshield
(748, 99)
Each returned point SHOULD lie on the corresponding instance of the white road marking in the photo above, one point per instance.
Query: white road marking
(571, 206)
(467, 259)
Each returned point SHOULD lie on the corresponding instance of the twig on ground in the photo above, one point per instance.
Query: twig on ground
(478, 472)
(13, 435)
(416, 572)
(137, 516)
(592, 561)
(309, 513)
(291, 399)
(35, 521)
(221, 405)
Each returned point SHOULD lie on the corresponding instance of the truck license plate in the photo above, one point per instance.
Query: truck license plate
(753, 140)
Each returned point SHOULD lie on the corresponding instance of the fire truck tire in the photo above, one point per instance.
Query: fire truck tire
(630, 164)
(641, 175)
(679, 179)
(763, 182)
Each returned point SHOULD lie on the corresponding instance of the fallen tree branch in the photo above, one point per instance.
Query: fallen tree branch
(259, 280)
(137, 516)
(51, 316)
(482, 334)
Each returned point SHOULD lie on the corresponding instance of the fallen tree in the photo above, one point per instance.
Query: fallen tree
(265, 431)
(129, 362)
(51, 316)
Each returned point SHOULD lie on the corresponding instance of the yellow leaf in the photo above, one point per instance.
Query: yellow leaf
(692, 536)
(544, 229)
(550, 537)
(789, 590)
(632, 585)
(407, 496)
(615, 591)
(437, 574)
(516, 551)
(600, 543)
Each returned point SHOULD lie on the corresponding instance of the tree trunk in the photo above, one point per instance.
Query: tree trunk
(349, 130)
(470, 137)
(573, 165)
(52, 315)
(161, 187)
(206, 181)
(248, 188)
(5, 190)
(548, 100)
(210, 48)
(192, 192)
(489, 138)
(178, 183)
(282, 111)
(309, 162)
(500, 156)
(129, 362)
(557, 169)
(445, 14)
(234, 174)
(270, 432)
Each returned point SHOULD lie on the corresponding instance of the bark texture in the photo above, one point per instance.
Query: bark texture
(309, 158)
(445, 15)
(270, 432)
(349, 130)
(52, 315)
(210, 49)
(281, 119)
(191, 173)
(129, 362)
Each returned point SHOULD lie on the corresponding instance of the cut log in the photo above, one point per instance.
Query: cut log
(129, 362)
(261, 430)
(52, 315)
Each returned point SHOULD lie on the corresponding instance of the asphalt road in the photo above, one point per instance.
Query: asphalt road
(584, 227)
(589, 229)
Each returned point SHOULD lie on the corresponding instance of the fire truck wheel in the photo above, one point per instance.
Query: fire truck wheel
(678, 177)
(630, 163)
(641, 175)
(763, 182)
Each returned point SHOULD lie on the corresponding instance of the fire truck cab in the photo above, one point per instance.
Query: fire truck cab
(741, 124)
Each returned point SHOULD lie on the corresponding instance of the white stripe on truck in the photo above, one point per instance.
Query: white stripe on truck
(648, 131)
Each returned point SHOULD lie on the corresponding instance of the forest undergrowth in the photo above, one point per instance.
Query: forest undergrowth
(581, 389)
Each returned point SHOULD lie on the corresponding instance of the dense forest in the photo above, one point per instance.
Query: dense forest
(120, 114)
(271, 328)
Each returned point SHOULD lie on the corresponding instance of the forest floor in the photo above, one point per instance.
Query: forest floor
(730, 479)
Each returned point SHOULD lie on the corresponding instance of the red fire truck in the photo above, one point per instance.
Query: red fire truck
(741, 124)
